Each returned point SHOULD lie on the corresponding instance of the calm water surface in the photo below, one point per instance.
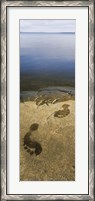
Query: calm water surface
(47, 59)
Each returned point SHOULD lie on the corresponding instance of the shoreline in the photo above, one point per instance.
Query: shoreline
(49, 93)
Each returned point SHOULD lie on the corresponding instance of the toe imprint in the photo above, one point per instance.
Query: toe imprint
(25, 147)
(31, 152)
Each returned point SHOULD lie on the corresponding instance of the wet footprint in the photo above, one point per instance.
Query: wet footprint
(32, 146)
(62, 113)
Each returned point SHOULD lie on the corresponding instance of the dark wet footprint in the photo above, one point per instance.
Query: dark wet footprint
(62, 113)
(30, 145)
(25, 147)
(34, 127)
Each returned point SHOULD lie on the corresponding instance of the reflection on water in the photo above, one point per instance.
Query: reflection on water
(47, 59)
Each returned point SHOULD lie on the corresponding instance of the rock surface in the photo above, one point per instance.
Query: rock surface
(56, 136)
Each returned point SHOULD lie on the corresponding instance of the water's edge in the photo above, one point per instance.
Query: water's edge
(48, 93)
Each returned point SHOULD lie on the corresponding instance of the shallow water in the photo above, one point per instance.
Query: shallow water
(49, 92)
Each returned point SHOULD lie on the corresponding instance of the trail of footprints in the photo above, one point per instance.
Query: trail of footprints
(34, 147)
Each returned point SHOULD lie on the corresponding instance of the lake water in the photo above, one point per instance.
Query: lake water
(47, 59)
